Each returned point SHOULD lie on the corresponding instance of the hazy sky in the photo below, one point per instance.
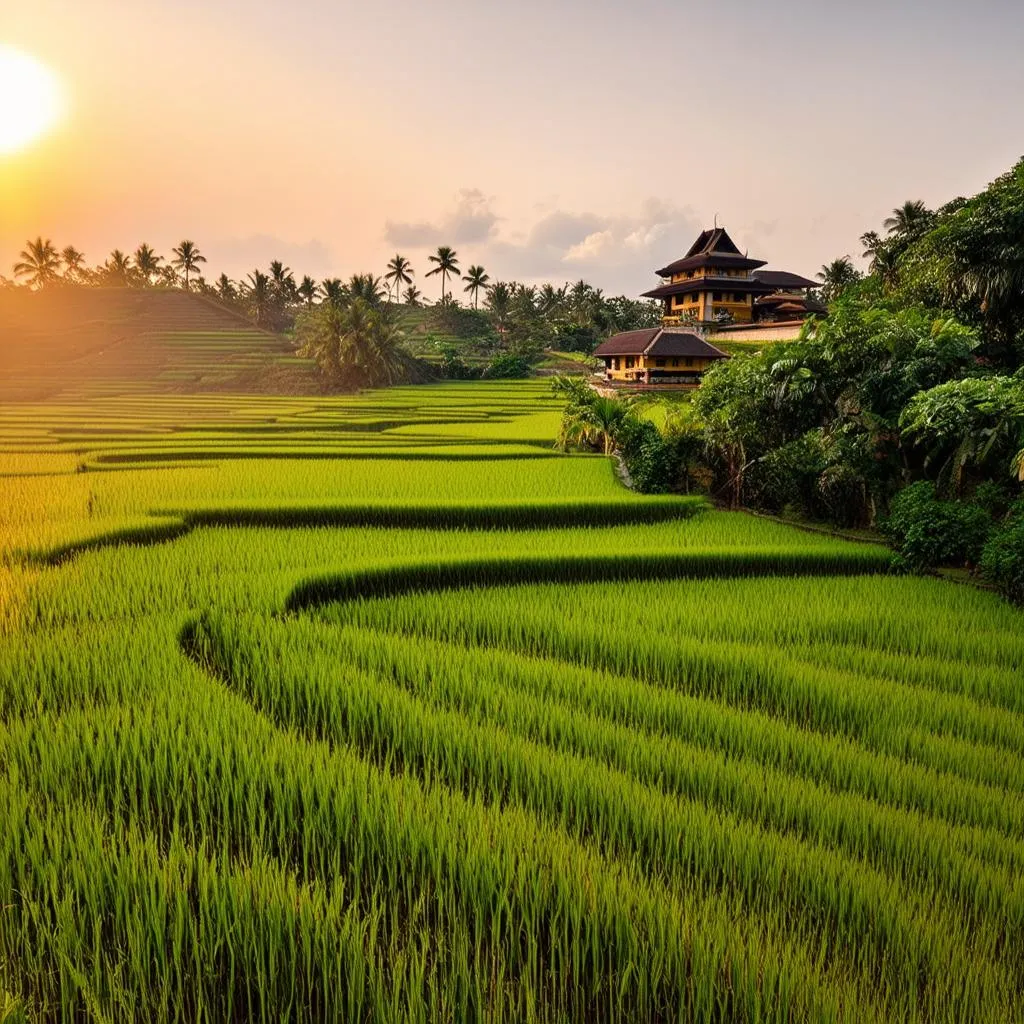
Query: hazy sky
(547, 140)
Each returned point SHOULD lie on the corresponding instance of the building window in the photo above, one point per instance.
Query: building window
(675, 362)
(689, 362)
(717, 297)
(630, 362)
(616, 362)
(659, 362)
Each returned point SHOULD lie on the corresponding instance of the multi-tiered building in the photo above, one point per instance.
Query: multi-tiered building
(713, 293)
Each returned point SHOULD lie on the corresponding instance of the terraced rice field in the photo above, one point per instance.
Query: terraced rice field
(88, 343)
(379, 709)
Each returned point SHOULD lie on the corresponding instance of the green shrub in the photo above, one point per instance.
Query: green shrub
(651, 462)
(930, 532)
(507, 367)
(1002, 560)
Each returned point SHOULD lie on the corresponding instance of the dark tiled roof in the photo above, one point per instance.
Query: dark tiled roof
(709, 284)
(712, 247)
(683, 343)
(628, 343)
(658, 342)
(714, 259)
(783, 279)
(714, 240)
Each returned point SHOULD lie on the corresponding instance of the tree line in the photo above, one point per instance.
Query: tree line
(522, 317)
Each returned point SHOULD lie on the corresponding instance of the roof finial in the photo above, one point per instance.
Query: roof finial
(716, 220)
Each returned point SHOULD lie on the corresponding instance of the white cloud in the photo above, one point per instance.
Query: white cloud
(619, 253)
(591, 249)
(471, 221)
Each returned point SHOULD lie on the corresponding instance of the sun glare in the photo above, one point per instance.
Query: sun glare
(31, 99)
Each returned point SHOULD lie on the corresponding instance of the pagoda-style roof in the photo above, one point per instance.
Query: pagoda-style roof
(783, 280)
(657, 341)
(713, 248)
(742, 285)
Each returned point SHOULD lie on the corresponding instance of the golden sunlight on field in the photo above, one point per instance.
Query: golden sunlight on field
(31, 99)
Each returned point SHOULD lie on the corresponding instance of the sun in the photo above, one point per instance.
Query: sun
(31, 99)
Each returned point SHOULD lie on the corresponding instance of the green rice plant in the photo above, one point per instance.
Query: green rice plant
(375, 707)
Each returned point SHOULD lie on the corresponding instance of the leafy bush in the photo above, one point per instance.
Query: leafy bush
(507, 367)
(930, 532)
(651, 461)
(1002, 561)
(452, 365)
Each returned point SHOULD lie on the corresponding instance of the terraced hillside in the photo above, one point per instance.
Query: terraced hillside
(378, 709)
(86, 342)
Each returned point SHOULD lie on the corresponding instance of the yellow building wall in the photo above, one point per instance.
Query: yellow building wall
(641, 363)
(703, 307)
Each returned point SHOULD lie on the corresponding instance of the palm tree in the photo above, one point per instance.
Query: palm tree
(447, 260)
(307, 291)
(399, 272)
(836, 277)
(597, 421)
(73, 260)
(226, 288)
(283, 281)
(872, 243)
(358, 343)
(909, 220)
(258, 294)
(412, 296)
(476, 278)
(38, 262)
(499, 304)
(366, 287)
(333, 291)
(147, 263)
(187, 258)
(118, 268)
(550, 299)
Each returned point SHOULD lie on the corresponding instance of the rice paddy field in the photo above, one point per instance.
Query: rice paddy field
(379, 709)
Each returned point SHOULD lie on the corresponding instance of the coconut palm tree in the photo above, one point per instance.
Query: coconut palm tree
(499, 304)
(447, 262)
(73, 260)
(476, 279)
(147, 263)
(333, 291)
(550, 299)
(412, 296)
(258, 294)
(38, 263)
(836, 277)
(399, 272)
(118, 269)
(367, 287)
(283, 281)
(909, 220)
(187, 258)
(226, 289)
(356, 344)
(307, 291)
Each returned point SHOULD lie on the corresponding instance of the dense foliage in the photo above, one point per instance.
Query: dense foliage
(914, 378)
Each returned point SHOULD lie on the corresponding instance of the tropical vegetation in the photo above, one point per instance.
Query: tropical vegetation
(902, 410)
